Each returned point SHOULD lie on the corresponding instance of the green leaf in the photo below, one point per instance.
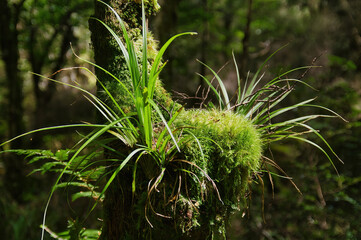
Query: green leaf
(87, 194)
(164, 121)
(220, 82)
(119, 168)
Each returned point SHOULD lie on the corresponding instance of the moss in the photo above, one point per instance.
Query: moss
(131, 11)
(230, 151)
(231, 137)
(109, 56)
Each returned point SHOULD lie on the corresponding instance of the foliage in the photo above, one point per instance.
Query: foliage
(134, 130)
(227, 147)
(230, 134)
(206, 138)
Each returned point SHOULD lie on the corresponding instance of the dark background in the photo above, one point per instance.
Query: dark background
(35, 37)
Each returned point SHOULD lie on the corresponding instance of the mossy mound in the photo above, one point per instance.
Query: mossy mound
(227, 147)
(228, 141)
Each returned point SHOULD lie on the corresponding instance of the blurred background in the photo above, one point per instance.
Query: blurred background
(35, 36)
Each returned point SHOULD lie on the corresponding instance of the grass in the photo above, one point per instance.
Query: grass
(134, 130)
(261, 105)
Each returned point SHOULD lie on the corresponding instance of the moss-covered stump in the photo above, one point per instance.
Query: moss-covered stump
(204, 183)
(198, 187)
(201, 186)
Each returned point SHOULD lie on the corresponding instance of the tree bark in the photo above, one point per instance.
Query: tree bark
(9, 45)
(123, 215)
(245, 41)
(204, 41)
(166, 27)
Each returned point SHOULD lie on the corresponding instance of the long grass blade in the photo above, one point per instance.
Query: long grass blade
(156, 108)
(154, 70)
(219, 98)
(145, 49)
(283, 110)
(295, 120)
(221, 84)
(161, 135)
(52, 128)
(317, 146)
(108, 73)
(91, 139)
(322, 138)
(239, 97)
(248, 92)
(327, 109)
(117, 39)
(119, 168)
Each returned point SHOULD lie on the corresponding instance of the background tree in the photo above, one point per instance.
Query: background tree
(59, 19)
(10, 17)
(34, 36)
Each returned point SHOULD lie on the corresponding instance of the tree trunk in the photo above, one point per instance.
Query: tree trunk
(124, 216)
(165, 214)
(166, 26)
(245, 42)
(204, 41)
(9, 17)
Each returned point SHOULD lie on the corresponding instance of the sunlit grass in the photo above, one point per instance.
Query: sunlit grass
(261, 105)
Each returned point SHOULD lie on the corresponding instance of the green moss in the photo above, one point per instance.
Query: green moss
(109, 56)
(230, 147)
(230, 151)
(131, 11)
(231, 137)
